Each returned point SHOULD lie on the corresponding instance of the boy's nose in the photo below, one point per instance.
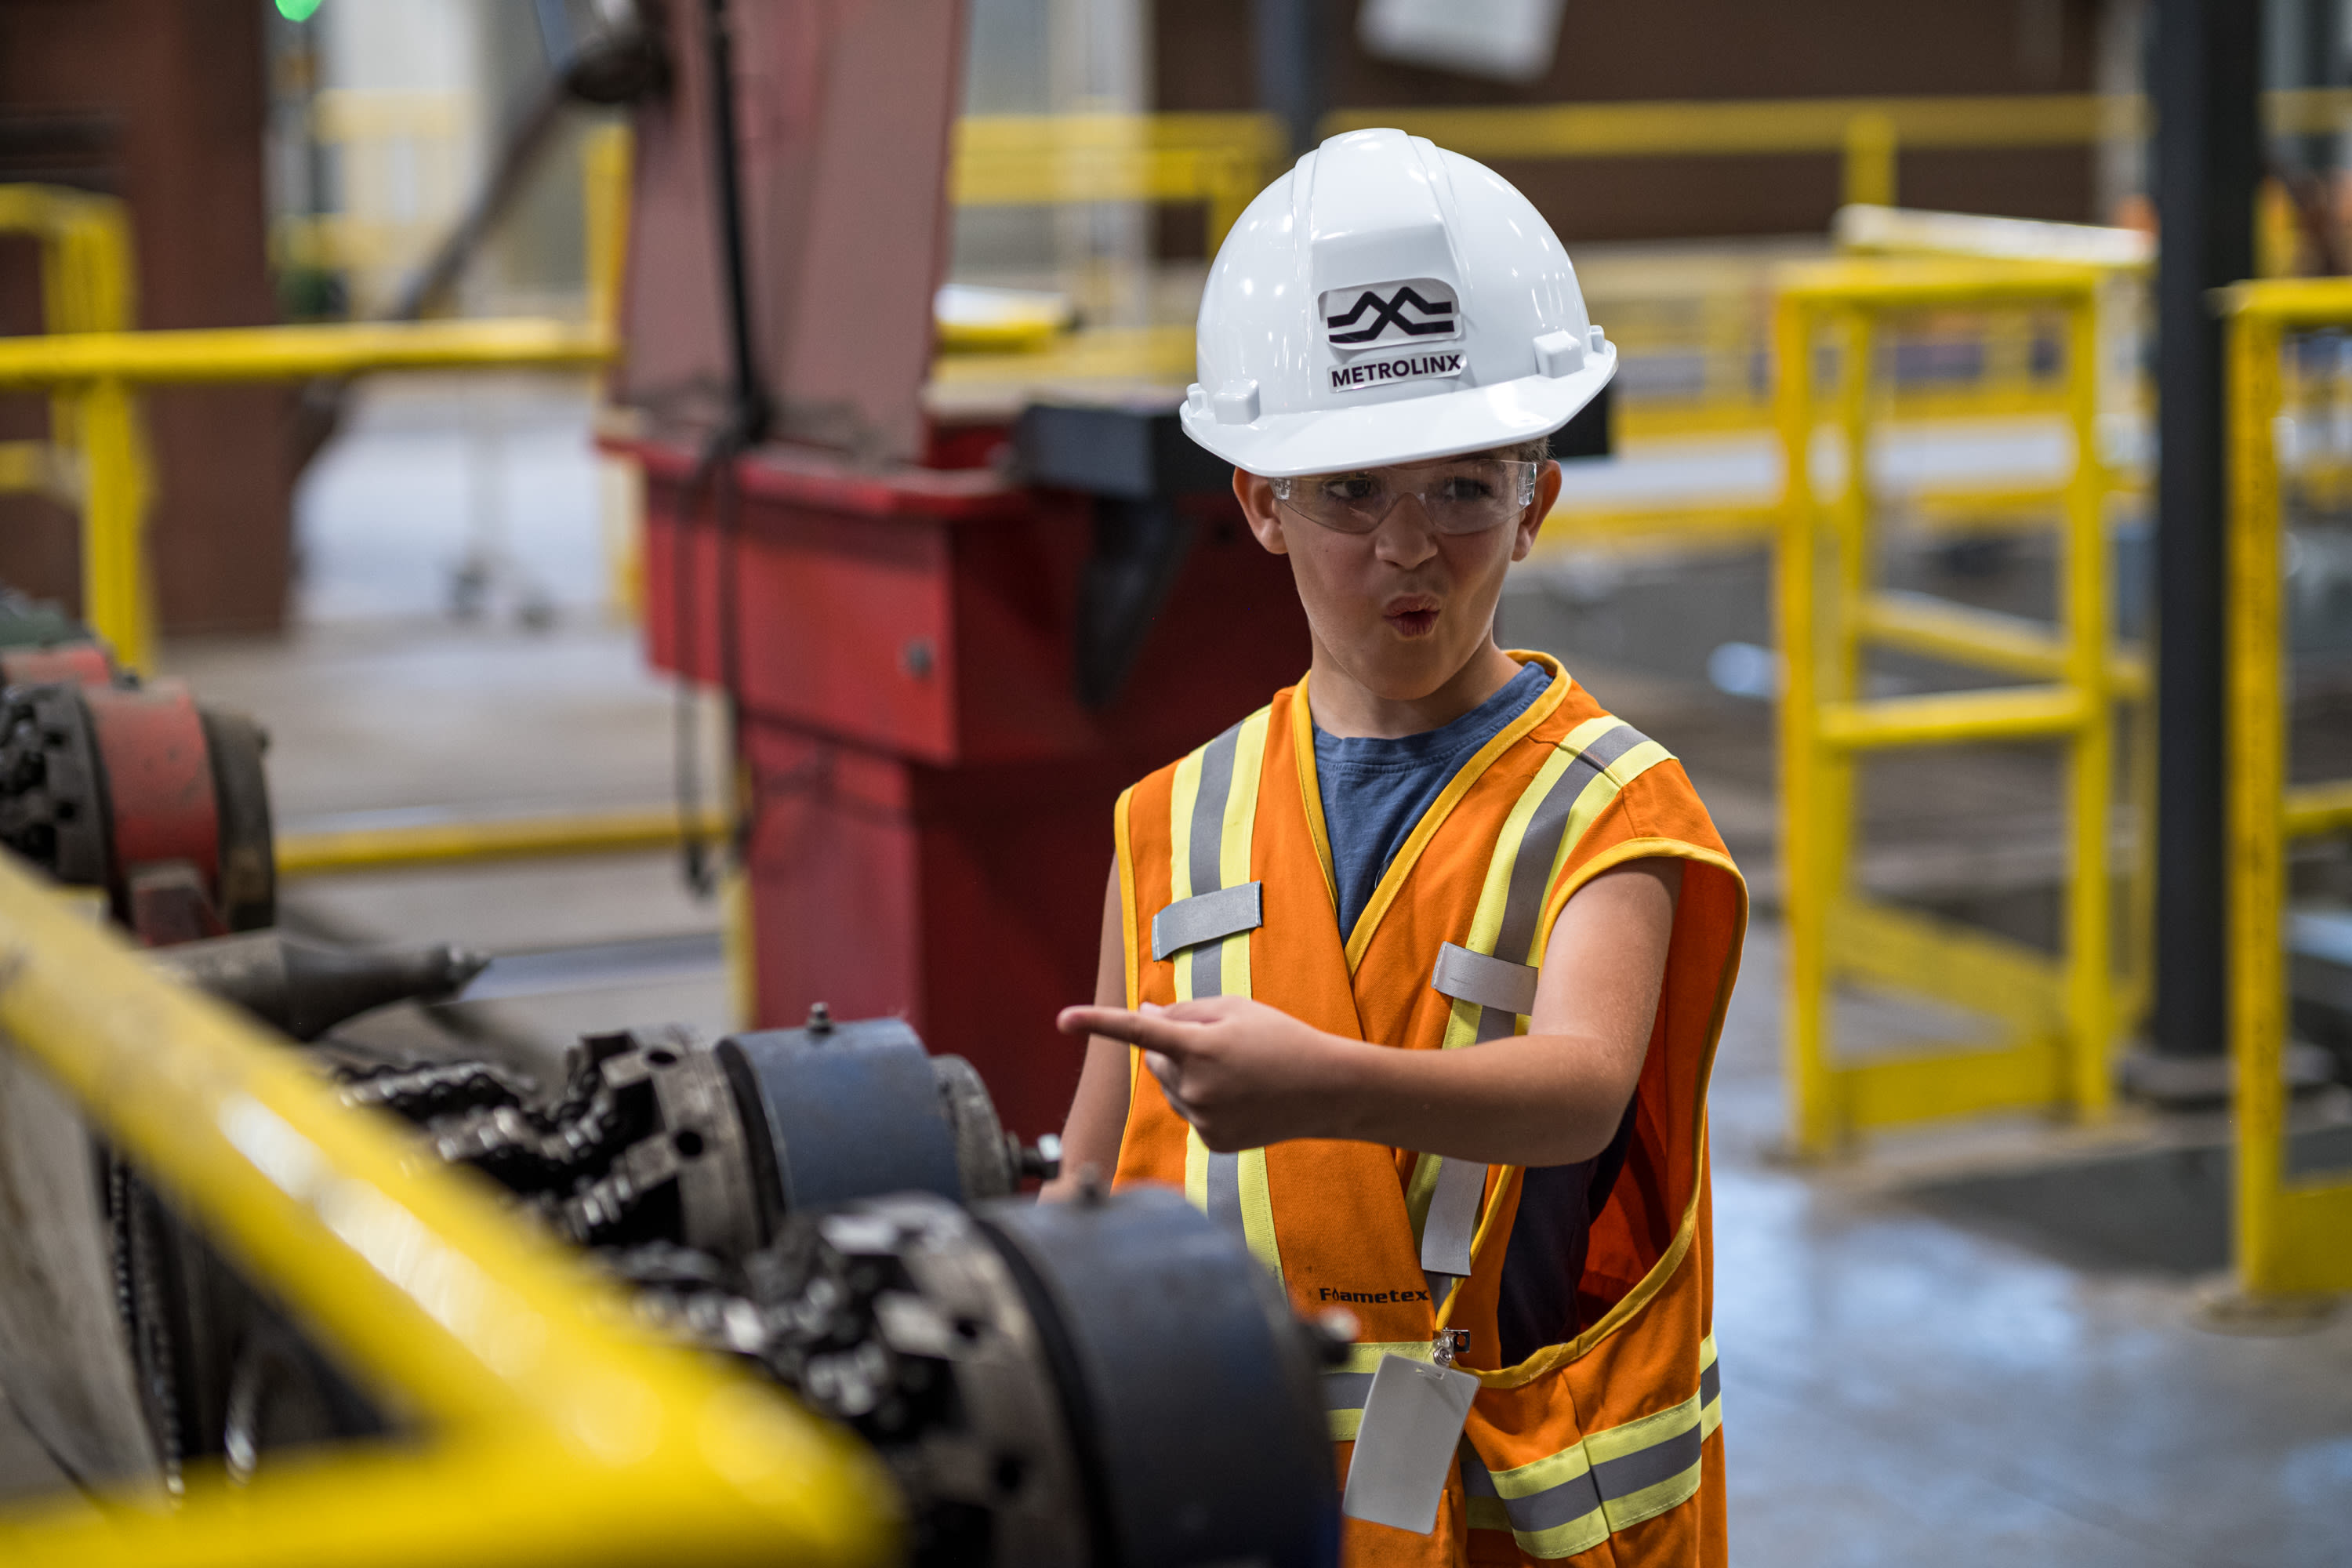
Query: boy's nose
(1405, 536)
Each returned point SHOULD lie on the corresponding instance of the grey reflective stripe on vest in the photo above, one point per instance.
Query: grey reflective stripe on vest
(1224, 1206)
(1452, 1224)
(1207, 851)
(1468, 976)
(1581, 1511)
(1216, 911)
(1453, 1221)
(1207, 918)
(1531, 869)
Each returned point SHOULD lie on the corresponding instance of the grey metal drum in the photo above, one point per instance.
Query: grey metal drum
(1190, 1390)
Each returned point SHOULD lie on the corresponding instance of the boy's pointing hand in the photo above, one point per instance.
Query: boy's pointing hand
(1244, 1074)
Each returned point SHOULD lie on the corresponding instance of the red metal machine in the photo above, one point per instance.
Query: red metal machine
(949, 647)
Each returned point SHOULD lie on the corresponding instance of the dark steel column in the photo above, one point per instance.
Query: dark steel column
(1288, 35)
(2208, 151)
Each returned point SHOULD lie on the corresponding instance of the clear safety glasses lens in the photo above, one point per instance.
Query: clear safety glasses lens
(1462, 496)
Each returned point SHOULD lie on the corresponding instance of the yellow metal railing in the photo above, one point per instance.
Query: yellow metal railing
(87, 286)
(2059, 1016)
(1220, 161)
(2010, 386)
(97, 372)
(326, 851)
(2293, 1235)
(539, 1427)
(1868, 133)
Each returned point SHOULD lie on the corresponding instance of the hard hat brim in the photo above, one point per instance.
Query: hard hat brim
(1409, 430)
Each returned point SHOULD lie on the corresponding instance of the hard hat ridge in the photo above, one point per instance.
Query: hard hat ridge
(1388, 301)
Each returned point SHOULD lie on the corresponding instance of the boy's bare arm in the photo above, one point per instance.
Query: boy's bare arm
(1098, 1113)
(1248, 1075)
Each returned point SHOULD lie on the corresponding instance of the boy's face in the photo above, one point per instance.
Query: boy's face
(1404, 607)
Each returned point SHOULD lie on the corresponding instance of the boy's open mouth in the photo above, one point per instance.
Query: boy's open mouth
(1413, 616)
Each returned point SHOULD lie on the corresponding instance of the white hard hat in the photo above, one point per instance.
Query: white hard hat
(1388, 301)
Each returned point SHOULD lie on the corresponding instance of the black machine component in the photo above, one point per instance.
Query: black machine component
(1137, 463)
(1043, 1380)
(657, 1137)
(51, 810)
(304, 988)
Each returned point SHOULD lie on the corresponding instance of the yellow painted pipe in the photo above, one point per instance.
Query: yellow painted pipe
(1960, 634)
(1939, 282)
(536, 1426)
(494, 839)
(1947, 718)
(229, 354)
(2315, 809)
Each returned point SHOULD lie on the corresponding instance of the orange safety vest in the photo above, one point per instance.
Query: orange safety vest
(1601, 1448)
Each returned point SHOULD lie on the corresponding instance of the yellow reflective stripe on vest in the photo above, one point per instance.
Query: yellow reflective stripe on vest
(1570, 1501)
(1584, 772)
(1348, 1385)
(1212, 813)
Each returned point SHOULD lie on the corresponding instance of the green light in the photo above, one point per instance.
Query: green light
(297, 10)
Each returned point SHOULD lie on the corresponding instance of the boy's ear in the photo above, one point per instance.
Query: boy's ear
(1531, 521)
(1257, 496)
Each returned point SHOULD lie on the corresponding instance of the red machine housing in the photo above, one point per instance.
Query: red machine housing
(930, 829)
(929, 797)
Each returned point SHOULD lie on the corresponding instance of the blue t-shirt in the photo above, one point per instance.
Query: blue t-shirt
(1375, 790)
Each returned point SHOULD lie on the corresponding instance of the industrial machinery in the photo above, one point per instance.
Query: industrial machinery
(130, 787)
(829, 1205)
(835, 1206)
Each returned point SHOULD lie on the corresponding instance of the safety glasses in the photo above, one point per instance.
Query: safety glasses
(1457, 495)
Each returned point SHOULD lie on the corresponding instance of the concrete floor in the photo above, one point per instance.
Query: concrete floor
(1910, 1376)
(1900, 1388)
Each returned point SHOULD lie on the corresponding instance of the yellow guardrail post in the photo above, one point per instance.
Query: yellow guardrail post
(114, 524)
(2060, 1019)
(606, 156)
(2293, 1237)
(1802, 860)
(535, 1425)
(95, 458)
(2084, 589)
(1870, 155)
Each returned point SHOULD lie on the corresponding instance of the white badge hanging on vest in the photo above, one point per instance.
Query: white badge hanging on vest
(1405, 1450)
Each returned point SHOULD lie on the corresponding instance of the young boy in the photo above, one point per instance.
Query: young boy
(1414, 975)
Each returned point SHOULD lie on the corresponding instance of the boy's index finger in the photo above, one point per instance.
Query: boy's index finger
(1146, 1029)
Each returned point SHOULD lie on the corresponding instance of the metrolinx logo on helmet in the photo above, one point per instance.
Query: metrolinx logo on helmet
(1414, 310)
(1365, 324)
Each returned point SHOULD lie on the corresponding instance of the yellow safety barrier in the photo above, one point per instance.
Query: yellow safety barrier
(1034, 160)
(1866, 132)
(537, 1425)
(2294, 1235)
(328, 851)
(97, 371)
(2059, 1016)
(87, 286)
